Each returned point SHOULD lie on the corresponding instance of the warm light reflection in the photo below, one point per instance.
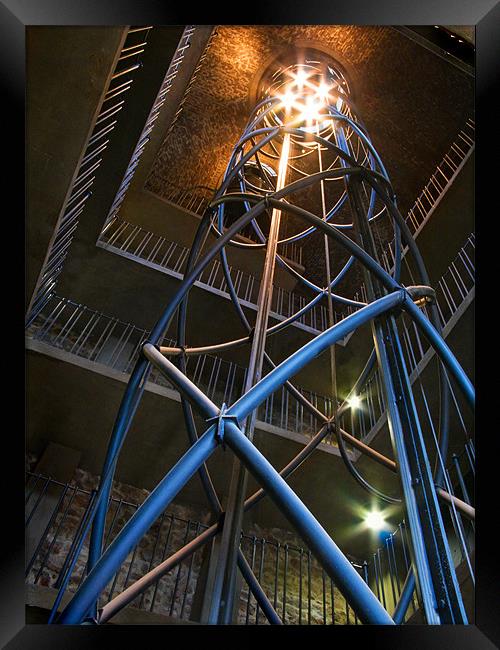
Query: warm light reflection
(300, 78)
(324, 91)
(305, 99)
(288, 99)
(307, 110)
(311, 110)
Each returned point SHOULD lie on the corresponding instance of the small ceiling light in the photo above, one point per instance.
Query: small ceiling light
(288, 99)
(300, 78)
(354, 402)
(323, 91)
(375, 521)
(311, 110)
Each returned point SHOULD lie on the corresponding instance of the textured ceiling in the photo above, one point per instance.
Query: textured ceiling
(412, 102)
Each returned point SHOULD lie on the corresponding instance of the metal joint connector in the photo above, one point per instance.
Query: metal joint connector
(155, 345)
(219, 420)
(421, 294)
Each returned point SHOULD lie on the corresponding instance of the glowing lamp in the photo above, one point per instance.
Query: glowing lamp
(374, 520)
(354, 402)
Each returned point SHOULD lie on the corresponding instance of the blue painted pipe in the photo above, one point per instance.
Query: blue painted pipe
(137, 526)
(443, 351)
(273, 380)
(135, 388)
(336, 565)
(405, 598)
(128, 406)
(257, 590)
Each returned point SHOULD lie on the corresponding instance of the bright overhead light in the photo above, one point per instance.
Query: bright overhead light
(301, 77)
(375, 521)
(311, 110)
(288, 99)
(354, 402)
(323, 90)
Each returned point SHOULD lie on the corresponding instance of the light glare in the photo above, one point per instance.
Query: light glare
(354, 402)
(288, 99)
(375, 521)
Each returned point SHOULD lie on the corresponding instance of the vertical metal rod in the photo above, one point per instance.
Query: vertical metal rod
(153, 553)
(40, 497)
(254, 542)
(309, 595)
(165, 546)
(86, 521)
(221, 609)
(300, 586)
(47, 553)
(332, 596)
(323, 579)
(261, 567)
(47, 529)
(461, 479)
(177, 577)
(285, 572)
(276, 572)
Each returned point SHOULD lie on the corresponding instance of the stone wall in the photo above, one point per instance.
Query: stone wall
(301, 592)
(292, 579)
(174, 593)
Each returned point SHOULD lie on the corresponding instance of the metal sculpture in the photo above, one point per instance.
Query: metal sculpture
(306, 128)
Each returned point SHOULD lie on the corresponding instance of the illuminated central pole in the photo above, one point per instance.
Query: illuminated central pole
(222, 584)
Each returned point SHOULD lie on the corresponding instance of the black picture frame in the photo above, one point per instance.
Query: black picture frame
(15, 16)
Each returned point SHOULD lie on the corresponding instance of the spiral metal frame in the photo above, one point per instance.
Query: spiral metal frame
(359, 179)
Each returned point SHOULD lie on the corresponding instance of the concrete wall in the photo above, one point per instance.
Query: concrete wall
(66, 73)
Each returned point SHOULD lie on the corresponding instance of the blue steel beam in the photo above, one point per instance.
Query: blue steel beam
(278, 376)
(144, 517)
(334, 562)
(336, 565)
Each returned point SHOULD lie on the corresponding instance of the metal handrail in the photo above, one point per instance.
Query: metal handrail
(119, 235)
(149, 125)
(421, 211)
(56, 509)
(111, 106)
(454, 290)
(102, 339)
(60, 511)
(153, 250)
(105, 340)
(296, 585)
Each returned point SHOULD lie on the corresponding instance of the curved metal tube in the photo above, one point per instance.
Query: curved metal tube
(357, 476)
(101, 568)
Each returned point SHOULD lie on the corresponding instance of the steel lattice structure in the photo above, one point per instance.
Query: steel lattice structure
(305, 127)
